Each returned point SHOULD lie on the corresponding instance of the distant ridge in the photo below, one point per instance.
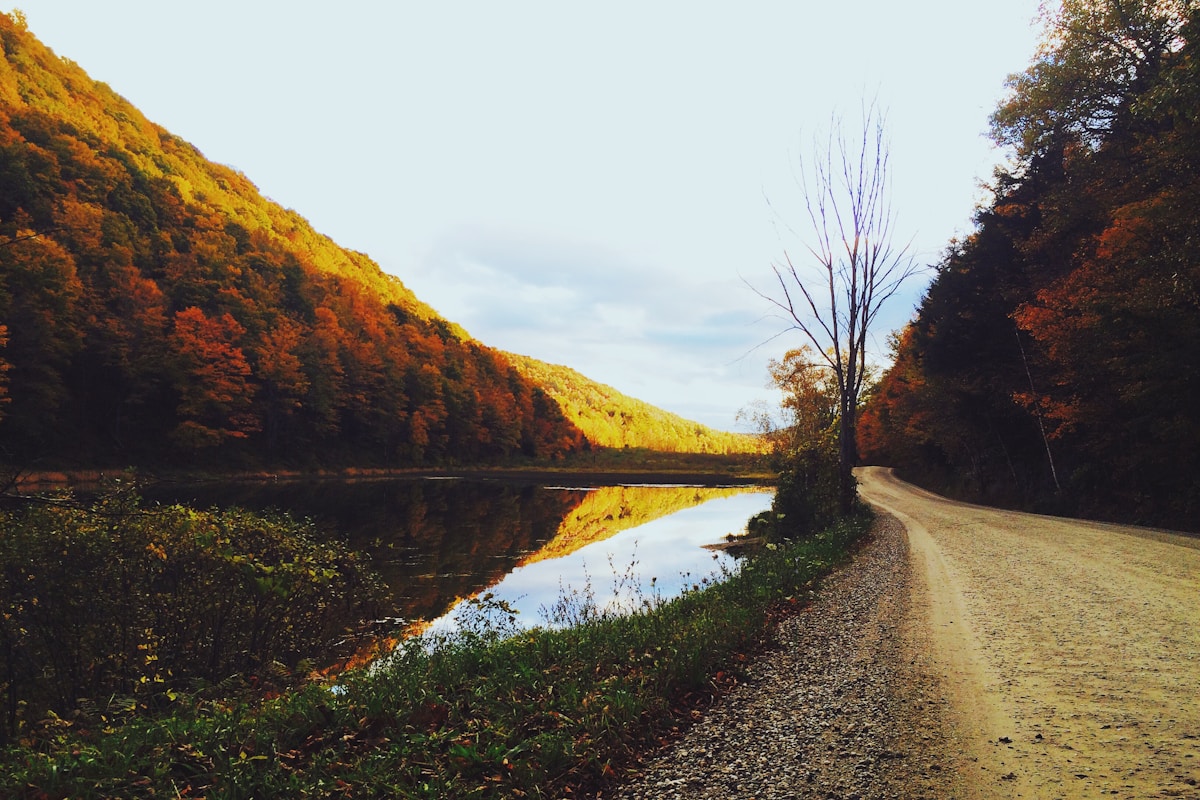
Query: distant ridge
(611, 419)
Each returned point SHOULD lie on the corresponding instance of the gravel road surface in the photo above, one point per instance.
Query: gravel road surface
(967, 653)
(1070, 650)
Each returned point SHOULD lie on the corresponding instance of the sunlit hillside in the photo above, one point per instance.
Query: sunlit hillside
(155, 308)
(611, 419)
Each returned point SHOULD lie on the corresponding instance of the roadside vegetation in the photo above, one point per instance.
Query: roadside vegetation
(489, 712)
(113, 608)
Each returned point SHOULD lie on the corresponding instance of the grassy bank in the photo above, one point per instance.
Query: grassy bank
(540, 713)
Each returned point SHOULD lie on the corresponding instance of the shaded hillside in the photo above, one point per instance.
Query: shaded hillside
(611, 419)
(1055, 360)
(155, 307)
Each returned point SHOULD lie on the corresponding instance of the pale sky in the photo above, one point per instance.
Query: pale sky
(584, 183)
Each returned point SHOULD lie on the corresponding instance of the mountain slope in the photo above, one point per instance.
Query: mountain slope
(154, 306)
(611, 419)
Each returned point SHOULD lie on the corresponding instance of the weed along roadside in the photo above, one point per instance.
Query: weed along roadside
(539, 713)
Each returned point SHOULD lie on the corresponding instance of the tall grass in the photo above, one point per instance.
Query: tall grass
(488, 712)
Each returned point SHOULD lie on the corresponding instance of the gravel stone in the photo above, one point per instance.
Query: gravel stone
(842, 707)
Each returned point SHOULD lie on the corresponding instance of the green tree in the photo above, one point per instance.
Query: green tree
(1096, 57)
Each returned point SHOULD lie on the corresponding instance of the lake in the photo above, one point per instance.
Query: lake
(438, 541)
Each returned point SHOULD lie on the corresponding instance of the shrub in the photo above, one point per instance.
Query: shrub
(120, 601)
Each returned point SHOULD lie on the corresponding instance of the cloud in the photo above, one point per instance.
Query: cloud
(645, 328)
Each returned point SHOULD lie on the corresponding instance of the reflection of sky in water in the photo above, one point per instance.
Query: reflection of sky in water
(669, 550)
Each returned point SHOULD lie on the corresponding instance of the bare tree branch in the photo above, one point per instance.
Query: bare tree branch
(28, 236)
(854, 265)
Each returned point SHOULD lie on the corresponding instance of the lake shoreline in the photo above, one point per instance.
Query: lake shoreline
(578, 476)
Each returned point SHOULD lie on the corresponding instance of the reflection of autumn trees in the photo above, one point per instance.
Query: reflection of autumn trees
(608, 510)
(1073, 307)
(154, 305)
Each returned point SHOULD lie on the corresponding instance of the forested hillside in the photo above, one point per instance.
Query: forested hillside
(154, 307)
(609, 418)
(1055, 360)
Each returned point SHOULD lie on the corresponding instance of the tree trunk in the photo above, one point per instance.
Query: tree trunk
(847, 459)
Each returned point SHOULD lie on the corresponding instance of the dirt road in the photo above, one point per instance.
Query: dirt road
(1070, 650)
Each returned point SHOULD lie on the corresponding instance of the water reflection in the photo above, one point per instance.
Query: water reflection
(597, 561)
(608, 510)
(432, 541)
(436, 541)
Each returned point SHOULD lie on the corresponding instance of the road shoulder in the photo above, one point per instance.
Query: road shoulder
(842, 707)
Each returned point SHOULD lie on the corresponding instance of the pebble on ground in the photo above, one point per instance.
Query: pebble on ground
(841, 706)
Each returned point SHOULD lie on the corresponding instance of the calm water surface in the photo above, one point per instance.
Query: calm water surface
(435, 542)
(657, 559)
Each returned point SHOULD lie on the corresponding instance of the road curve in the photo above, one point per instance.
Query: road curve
(1070, 650)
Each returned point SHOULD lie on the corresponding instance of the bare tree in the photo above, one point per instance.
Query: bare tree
(852, 265)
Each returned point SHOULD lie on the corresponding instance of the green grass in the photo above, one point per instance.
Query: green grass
(488, 713)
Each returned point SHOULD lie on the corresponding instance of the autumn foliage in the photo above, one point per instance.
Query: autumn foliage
(154, 307)
(1055, 359)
